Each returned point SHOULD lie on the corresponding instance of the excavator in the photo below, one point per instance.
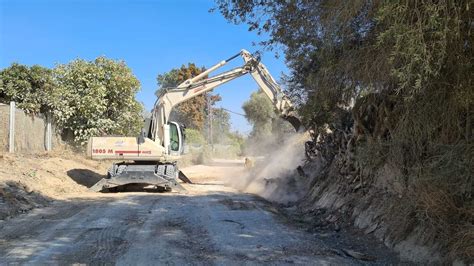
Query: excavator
(150, 159)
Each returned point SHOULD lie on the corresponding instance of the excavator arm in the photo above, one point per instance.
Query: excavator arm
(269, 86)
(199, 85)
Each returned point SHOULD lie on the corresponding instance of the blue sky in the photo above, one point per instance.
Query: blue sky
(150, 36)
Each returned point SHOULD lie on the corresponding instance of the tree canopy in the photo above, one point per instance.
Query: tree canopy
(86, 98)
(220, 125)
(98, 98)
(32, 88)
(259, 112)
(267, 126)
(193, 112)
(338, 49)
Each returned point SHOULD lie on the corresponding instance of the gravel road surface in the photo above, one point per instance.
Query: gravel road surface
(211, 224)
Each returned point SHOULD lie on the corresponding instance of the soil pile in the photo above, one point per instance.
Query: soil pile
(31, 181)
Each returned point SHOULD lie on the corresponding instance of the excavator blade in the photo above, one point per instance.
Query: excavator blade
(160, 176)
(184, 178)
(99, 186)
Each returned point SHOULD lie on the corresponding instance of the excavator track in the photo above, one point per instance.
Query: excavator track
(163, 176)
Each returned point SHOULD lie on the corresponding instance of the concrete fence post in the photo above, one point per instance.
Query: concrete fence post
(11, 139)
(49, 133)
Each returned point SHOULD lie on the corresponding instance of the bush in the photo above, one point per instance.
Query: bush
(194, 137)
(86, 98)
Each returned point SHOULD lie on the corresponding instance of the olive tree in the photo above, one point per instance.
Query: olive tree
(32, 88)
(97, 98)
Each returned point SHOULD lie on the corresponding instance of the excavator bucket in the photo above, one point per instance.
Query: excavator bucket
(295, 122)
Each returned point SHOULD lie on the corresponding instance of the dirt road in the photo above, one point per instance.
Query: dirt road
(212, 224)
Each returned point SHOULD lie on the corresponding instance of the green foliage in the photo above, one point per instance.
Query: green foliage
(192, 113)
(267, 126)
(86, 98)
(220, 125)
(419, 54)
(226, 144)
(236, 139)
(328, 55)
(229, 146)
(420, 49)
(259, 112)
(193, 136)
(98, 98)
(32, 88)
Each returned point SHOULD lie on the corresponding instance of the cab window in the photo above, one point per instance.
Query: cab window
(174, 137)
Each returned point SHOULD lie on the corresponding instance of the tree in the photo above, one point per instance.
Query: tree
(259, 112)
(193, 112)
(193, 136)
(32, 88)
(267, 127)
(237, 141)
(220, 125)
(97, 98)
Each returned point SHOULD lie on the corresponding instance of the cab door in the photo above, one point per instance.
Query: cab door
(176, 139)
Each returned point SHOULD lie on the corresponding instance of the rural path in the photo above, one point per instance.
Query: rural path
(212, 224)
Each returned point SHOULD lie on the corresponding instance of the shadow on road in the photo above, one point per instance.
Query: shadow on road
(85, 177)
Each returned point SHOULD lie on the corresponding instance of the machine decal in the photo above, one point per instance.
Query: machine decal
(102, 151)
(119, 143)
(137, 152)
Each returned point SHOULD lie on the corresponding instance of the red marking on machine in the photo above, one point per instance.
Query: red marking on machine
(137, 152)
(98, 151)
(122, 152)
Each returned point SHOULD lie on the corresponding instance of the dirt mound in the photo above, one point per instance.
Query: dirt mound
(31, 181)
(17, 198)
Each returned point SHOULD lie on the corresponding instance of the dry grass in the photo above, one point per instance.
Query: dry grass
(462, 245)
(443, 219)
(449, 219)
(433, 147)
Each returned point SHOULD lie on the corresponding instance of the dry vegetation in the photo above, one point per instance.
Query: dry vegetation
(404, 192)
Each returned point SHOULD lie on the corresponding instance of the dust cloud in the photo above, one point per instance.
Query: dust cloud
(274, 175)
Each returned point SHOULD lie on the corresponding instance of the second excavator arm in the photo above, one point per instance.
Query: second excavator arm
(195, 86)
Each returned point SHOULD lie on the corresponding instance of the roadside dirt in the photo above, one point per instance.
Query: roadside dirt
(211, 224)
(32, 181)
